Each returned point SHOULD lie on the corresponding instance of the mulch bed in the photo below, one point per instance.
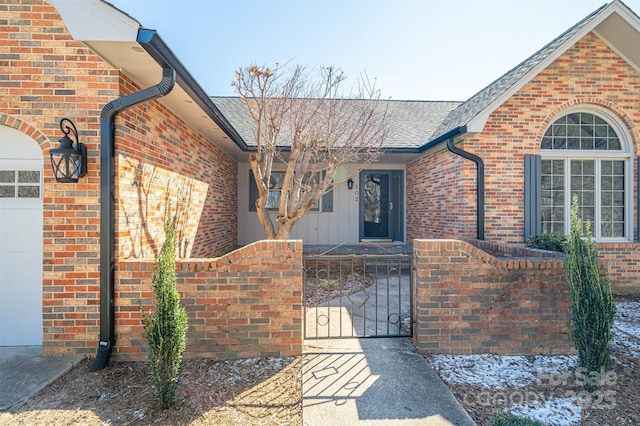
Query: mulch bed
(259, 391)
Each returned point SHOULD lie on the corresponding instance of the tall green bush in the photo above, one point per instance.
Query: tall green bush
(166, 328)
(592, 305)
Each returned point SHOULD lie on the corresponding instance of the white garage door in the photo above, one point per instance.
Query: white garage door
(21, 164)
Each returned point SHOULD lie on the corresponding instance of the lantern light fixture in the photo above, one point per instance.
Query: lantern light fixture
(69, 163)
(350, 183)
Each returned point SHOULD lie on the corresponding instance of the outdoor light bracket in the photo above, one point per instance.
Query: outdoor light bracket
(69, 163)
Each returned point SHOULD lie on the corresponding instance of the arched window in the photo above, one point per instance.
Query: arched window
(587, 154)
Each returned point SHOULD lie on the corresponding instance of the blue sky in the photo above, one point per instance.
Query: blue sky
(426, 50)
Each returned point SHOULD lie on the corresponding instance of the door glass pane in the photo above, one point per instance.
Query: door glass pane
(29, 176)
(7, 191)
(29, 192)
(395, 213)
(376, 205)
(7, 176)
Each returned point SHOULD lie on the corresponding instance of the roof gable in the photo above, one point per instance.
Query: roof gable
(614, 23)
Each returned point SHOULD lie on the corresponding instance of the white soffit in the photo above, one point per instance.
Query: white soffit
(112, 34)
(89, 20)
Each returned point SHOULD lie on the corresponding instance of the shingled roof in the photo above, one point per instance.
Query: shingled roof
(411, 123)
(462, 115)
(421, 124)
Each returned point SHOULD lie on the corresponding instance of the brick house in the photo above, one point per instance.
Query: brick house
(501, 166)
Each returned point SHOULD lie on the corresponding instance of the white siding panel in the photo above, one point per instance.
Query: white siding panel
(337, 227)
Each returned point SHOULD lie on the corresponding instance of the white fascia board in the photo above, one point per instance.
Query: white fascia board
(477, 123)
(96, 20)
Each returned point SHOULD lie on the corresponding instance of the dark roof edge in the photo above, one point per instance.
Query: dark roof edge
(394, 150)
(162, 54)
(460, 130)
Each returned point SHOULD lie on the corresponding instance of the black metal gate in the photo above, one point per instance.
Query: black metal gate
(357, 296)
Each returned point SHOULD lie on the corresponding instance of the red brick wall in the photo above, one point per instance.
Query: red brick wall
(44, 76)
(589, 73)
(440, 195)
(247, 303)
(198, 178)
(469, 301)
(623, 264)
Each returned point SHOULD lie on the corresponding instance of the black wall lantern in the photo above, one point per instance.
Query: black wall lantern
(69, 163)
(350, 183)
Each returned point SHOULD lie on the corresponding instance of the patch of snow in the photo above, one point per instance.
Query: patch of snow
(626, 328)
(140, 413)
(516, 372)
(495, 371)
(557, 411)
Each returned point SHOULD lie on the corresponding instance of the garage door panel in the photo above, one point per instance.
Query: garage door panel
(21, 234)
(21, 230)
(21, 274)
(20, 321)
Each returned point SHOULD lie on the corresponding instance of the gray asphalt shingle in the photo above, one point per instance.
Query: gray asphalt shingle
(484, 98)
(412, 124)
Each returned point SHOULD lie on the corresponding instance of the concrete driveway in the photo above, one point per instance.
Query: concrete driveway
(24, 371)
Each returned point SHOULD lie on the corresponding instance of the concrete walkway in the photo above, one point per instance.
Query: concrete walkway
(345, 382)
(24, 371)
(374, 382)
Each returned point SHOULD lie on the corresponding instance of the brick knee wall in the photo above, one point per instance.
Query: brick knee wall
(247, 303)
(468, 301)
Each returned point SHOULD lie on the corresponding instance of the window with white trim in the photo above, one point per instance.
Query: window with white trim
(586, 155)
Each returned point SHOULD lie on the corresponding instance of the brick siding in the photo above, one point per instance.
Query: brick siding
(160, 158)
(441, 196)
(45, 75)
(469, 301)
(247, 303)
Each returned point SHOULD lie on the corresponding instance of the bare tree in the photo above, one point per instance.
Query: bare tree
(303, 123)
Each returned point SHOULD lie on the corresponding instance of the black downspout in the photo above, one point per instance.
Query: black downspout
(107, 207)
(479, 182)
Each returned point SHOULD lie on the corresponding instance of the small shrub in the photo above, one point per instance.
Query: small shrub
(166, 328)
(511, 420)
(592, 305)
(553, 242)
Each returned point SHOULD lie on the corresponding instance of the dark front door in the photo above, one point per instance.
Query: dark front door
(381, 205)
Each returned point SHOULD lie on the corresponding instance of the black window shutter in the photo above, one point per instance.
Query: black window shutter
(532, 197)
(253, 192)
(327, 198)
